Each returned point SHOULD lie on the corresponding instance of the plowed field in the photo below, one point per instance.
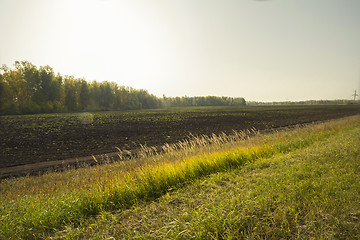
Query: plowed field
(30, 139)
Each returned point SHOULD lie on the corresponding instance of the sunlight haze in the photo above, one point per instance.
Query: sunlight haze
(273, 50)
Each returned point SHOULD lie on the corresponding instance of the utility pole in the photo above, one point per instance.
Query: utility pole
(355, 96)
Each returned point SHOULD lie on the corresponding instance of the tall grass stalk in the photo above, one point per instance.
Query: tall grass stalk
(37, 215)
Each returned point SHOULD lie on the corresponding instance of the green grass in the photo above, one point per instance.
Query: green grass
(309, 193)
(266, 189)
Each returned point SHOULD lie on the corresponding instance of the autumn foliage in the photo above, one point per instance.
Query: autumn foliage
(26, 88)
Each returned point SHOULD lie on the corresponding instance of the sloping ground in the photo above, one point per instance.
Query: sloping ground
(311, 193)
(296, 184)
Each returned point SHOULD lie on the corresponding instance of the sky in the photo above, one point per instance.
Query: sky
(262, 50)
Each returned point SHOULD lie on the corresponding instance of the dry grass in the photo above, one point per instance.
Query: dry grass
(33, 207)
(310, 193)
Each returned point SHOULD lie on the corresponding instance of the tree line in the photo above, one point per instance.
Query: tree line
(26, 88)
(307, 102)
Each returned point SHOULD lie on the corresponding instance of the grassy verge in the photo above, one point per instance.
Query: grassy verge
(40, 213)
(309, 193)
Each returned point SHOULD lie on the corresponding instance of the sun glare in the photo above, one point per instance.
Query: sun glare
(133, 42)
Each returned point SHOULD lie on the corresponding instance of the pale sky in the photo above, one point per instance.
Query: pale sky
(273, 50)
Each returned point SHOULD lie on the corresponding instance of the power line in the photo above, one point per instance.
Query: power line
(355, 96)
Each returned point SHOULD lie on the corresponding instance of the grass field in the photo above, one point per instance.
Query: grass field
(31, 139)
(300, 183)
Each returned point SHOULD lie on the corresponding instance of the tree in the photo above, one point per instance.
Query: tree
(84, 95)
(5, 97)
(71, 97)
(107, 95)
(20, 92)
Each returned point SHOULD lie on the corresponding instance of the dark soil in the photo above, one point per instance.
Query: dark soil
(43, 140)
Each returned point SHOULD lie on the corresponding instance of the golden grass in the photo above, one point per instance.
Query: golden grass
(85, 178)
(77, 194)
